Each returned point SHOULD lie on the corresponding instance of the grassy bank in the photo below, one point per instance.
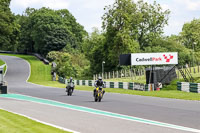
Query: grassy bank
(12, 123)
(39, 71)
(40, 74)
(2, 63)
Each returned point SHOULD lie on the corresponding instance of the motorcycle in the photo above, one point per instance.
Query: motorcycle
(98, 94)
(69, 89)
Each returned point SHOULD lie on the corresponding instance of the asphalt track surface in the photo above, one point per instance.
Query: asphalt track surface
(179, 112)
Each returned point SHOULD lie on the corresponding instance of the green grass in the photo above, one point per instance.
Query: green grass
(13, 123)
(2, 63)
(136, 79)
(40, 74)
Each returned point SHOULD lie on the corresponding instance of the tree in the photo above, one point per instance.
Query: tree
(190, 35)
(151, 21)
(127, 23)
(93, 48)
(8, 27)
(70, 65)
(171, 45)
(142, 21)
(117, 23)
(45, 30)
(26, 43)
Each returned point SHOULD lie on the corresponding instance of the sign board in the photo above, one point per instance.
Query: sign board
(125, 59)
(154, 58)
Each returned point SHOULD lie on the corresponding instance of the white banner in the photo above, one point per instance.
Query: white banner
(154, 58)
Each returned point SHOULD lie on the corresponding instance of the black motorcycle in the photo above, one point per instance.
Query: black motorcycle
(70, 89)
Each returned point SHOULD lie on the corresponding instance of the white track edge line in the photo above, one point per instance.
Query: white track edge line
(59, 127)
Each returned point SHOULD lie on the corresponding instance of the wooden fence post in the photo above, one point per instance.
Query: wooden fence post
(134, 74)
(177, 72)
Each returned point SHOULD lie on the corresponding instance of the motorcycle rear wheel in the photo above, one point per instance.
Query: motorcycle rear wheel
(95, 99)
(69, 92)
(99, 99)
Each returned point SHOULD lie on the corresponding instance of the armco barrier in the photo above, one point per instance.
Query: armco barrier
(188, 87)
(107, 84)
(179, 86)
(120, 85)
(77, 83)
(90, 83)
(125, 85)
(80, 82)
(83, 82)
(116, 85)
(193, 87)
(130, 86)
(146, 87)
(112, 85)
(198, 87)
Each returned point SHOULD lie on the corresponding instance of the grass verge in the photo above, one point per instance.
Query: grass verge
(13, 123)
(175, 94)
(2, 63)
(39, 71)
(40, 74)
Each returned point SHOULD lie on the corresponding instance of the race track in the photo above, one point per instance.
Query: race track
(178, 112)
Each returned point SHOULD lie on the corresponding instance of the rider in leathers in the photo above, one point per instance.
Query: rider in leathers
(98, 83)
(70, 84)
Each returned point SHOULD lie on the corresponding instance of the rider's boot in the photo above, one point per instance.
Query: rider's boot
(94, 92)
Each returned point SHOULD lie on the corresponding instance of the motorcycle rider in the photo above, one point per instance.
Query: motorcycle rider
(70, 84)
(98, 83)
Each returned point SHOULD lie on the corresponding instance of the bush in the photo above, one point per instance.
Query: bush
(70, 65)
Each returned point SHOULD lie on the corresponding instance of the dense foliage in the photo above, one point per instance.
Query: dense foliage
(45, 30)
(70, 65)
(190, 37)
(8, 26)
(128, 27)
